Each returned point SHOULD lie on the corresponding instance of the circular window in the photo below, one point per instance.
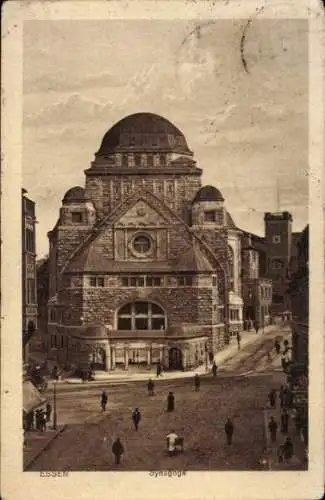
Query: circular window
(142, 244)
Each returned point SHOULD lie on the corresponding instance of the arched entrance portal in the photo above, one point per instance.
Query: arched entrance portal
(175, 359)
(97, 359)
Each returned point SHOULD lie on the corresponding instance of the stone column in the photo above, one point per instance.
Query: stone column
(149, 355)
(126, 356)
(113, 357)
(108, 357)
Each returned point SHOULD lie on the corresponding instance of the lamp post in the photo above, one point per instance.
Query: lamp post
(54, 406)
(206, 357)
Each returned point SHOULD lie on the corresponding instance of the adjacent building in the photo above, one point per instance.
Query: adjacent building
(29, 299)
(144, 262)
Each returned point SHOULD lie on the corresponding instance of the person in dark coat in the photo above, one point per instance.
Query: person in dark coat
(229, 430)
(103, 400)
(284, 421)
(256, 326)
(238, 340)
(197, 382)
(151, 386)
(272, 398)
(170, 402)
(42, 420)
(273, 428)
(37, 420)
(214, 369)
(281, 396)
(48, 412)
(159, 369)
(287, 448)
(117, 450)
(211, 357)
(277, 347)
(136, 417)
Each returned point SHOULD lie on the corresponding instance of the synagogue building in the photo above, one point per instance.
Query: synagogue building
(145, 261)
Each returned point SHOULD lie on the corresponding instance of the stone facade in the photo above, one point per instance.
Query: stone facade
(144, 264)
(29, 298)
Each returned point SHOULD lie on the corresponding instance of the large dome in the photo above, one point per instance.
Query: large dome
(208, 193)
(143, 132)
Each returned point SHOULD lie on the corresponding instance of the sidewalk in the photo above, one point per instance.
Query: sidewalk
(36, 442)
(298, 461)
(230, 351)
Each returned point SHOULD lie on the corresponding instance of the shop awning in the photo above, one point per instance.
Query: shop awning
(32, 398)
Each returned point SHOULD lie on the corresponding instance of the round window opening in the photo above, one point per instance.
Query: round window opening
(142, 244)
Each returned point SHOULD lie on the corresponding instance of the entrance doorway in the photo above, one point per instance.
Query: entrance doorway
(175, 359)
(97, 359)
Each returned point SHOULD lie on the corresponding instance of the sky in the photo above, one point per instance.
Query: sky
(247, 124)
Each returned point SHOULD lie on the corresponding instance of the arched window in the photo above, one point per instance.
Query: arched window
(141, 316)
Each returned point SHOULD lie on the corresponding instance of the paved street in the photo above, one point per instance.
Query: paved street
(198, 416)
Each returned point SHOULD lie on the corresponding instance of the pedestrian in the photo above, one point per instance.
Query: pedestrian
(151, 386)
(214, 369)
(37, 420)
(211, 357)
(238, 340)
(103, 400)
(277, 346)
(256, 326)
(281, 396)
(158, 369)
(136, 417)
(273, 428)
(288, 448)
(170, 402)
(117, 450)
(272, 398)
(280, 453)
(284, 421)
(42, 420)
(229, 430)
(48, 412)
(171, 443)
(197, 382)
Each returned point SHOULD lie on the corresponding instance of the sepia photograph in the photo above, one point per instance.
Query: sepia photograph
(165, 235)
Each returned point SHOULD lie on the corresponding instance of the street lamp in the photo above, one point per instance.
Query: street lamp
(206, 357)
(54, 406)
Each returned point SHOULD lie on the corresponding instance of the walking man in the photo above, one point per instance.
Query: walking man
(229, 430)
(48, 412)
(256, 326)
(103, 400)
(238, 340)
(117, 450)
(284, 421)
(214, 369)
(273, 428)
(197, 382)
(288, 448)
(136, 417)
(277, 346)
(158, 369)
(171, 441)
(151, 386)
(170, 402)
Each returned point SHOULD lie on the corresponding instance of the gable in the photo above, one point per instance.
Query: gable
(141, 214)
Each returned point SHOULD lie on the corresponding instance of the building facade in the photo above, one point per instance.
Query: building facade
(29, 299)
(144, 262)
(257, 289)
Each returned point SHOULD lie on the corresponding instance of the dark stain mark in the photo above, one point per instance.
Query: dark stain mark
(242, 45)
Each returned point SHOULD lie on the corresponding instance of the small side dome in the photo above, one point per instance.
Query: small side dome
(76, 193)
(208, 193)
(96, 331)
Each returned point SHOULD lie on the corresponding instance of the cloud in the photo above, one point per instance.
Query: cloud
(59, 82)
(74, 109)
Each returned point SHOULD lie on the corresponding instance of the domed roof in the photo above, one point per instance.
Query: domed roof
(144, 132)
(98, 331)
(76, 193)
(208, 193)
